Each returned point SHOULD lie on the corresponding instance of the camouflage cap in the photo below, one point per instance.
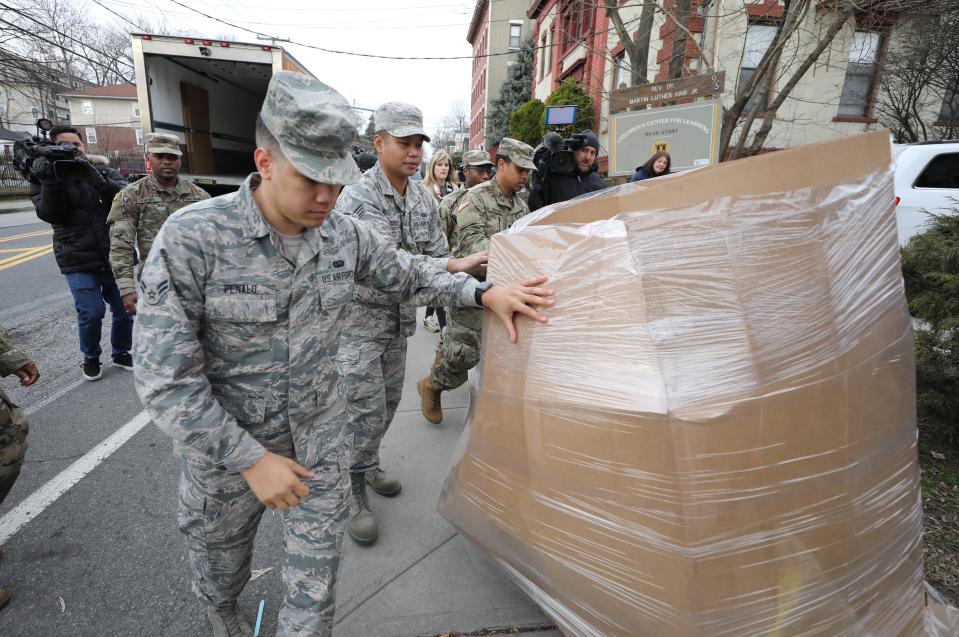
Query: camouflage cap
(162, 144)
(399, 119)
(314, 126)
(476, 158)
(519, 153)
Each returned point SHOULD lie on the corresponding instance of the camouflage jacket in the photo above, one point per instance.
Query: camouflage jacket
(412, 224)
(483, 212)
(232, 336)
(10, 359)
(136, 216)
(448, 212)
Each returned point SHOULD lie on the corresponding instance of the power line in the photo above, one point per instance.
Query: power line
(119, 15)
(59, 46)
(62, 34)
(383, 57)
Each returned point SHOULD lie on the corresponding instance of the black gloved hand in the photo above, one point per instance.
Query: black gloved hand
(94, 176)
(42, 169)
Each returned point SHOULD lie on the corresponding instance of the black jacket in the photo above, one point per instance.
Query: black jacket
(554, 188)
(78, 211)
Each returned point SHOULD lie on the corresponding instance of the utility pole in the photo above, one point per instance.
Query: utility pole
(272, 40)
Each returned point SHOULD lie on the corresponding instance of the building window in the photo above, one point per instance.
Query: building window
(549, 48)
(91, 134)
(856, 98)
(35, 112)
(620, 72)
(515, 31)
(758, 39)
(576, 21)
(87, 106)
(136, 109)
(542, 57)
(949, 112)
(139, 133)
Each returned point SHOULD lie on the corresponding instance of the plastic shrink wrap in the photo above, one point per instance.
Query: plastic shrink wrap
(715, 434)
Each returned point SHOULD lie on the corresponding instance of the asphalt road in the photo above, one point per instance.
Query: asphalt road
(105, 558)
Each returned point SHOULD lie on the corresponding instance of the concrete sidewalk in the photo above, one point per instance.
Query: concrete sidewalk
(421, 578)
(18, 204)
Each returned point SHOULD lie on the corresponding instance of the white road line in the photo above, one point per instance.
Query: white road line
(46, 495)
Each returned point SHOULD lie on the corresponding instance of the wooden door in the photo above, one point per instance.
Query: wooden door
(196, 119)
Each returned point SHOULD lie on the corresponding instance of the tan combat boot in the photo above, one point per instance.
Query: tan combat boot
(362, 525)
(430, 401)
(4, 596)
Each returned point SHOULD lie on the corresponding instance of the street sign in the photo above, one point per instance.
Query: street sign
(707, 85)
(689, 133)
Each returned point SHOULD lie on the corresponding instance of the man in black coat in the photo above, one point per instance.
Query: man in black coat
(77, 208)
(553, 187)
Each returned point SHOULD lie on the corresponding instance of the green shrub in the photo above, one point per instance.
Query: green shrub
(526, 123)
(567, 94)
(930, 268)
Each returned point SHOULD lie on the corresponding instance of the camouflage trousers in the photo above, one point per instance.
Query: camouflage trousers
(13, 443)
(460, 348)
(219, 515)
(371, 377)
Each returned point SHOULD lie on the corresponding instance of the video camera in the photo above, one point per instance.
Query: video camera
(555, 154)
(46, 159)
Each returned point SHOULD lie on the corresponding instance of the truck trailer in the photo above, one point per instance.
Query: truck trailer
(208, 94)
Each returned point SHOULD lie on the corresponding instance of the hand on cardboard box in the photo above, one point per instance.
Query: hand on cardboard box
(518, 298)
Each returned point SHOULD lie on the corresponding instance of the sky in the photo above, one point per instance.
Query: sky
(381, 27)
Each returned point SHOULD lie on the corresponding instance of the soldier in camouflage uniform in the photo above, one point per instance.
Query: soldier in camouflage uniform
(242, 298)
(13, 424)
(140, 209)
(477, 168)
(372, 354)
(486, 209)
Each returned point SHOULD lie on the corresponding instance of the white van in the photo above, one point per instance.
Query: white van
(927, 182)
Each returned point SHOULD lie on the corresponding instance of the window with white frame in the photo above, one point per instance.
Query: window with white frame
(139, 133)
(87, 106)
(861, 73)
(515, 32)
(620, 72)
(91, 134)
(136, 109)
(759, 37)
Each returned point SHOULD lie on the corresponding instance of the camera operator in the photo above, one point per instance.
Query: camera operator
(552, 186)
(75, 198)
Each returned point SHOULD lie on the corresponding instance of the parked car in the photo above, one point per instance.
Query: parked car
(926, 181)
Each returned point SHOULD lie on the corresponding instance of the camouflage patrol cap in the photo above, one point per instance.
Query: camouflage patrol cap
(519, 153)
(162, 144)
(314, 126)
(399, 119)
(476, 158)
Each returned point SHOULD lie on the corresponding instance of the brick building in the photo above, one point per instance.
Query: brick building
(837, 96)
(497, 27)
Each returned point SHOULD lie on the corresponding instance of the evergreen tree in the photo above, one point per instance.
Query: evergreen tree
(930, 268)
(516, 90)
(370, 132)
(526, 123)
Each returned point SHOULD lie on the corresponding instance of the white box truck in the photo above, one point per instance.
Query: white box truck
(208, 94)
